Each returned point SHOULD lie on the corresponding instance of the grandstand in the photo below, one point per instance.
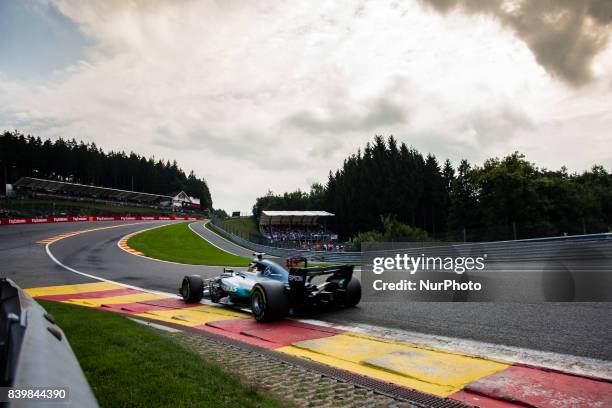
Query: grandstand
(299, 229)
(52, 188)
(68, 196)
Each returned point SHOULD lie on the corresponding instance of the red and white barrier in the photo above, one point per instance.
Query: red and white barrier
(47, 220)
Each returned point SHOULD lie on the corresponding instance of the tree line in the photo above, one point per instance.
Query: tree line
(86, 163)
(503, 198)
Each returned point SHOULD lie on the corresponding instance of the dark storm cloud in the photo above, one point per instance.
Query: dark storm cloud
(380, 113)
(564, 35)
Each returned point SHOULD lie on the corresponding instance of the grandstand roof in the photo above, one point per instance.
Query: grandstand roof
(292, 217)
(62, 187)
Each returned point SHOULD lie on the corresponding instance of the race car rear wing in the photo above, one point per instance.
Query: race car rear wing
(299, 277)
(322, 270)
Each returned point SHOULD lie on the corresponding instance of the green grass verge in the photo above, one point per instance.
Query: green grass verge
(60, 205)
(222, 235)
(177, 243)
(130, 365)
(243, 226)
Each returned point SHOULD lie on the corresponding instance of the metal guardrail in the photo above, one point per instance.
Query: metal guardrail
(558, 248)
(317, 256)
(582, 247)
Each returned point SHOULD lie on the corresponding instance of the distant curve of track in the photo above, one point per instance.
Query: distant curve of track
(582, 329)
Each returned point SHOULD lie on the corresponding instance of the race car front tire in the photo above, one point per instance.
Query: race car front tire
(269, 301)
(352, 295)
(192, 288)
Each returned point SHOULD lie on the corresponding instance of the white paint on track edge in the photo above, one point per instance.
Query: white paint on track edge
(565, 363)
(582, 366)
(225, 239)
(57, 262)
(216, 246)
(205, 223)
(155, 325)
(125, 285)
(126, 237)
(171, 262)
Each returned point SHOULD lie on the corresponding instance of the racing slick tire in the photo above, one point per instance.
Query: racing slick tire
(192, 288)
(352, 295)
(269, 301)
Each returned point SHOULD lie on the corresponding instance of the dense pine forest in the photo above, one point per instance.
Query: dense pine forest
(85, 163)
(388, 184)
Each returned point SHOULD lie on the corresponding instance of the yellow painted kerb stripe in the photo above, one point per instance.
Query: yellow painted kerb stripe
(435, 371)
(72, 289)
(115, 300)
(193, 316)
(439, 390)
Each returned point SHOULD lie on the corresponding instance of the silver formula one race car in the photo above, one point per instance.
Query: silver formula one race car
(272, 291)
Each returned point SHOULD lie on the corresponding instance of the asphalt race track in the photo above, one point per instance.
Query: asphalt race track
(582, 329)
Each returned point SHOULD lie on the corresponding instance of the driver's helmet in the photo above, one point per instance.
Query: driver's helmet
(256, 267)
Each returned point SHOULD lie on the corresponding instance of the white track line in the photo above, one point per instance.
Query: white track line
(223, 238)
(582, 366)
(54, 259)
(216, 246)
(126, 237)
(155, 325)
(171, 262)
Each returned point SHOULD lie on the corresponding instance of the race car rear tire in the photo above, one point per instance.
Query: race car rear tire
(352, 295)
(269, 301)
(192, 288)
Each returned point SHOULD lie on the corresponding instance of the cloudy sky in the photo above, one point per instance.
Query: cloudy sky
(272, 95)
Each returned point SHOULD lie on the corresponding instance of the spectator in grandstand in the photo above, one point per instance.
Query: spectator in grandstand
(307, 238)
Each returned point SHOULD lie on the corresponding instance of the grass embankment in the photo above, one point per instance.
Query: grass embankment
(222, 235)
(129, 365)
(177, 243)
(47, 207)
(243, 226)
